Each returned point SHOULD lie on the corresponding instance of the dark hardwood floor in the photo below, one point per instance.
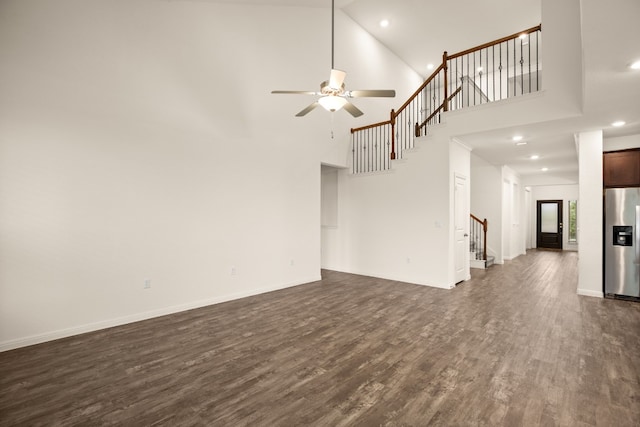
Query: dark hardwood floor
(513, 346)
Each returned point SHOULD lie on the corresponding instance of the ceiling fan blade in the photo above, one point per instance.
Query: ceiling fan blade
(352, 109)
(295, 92)
(306, 110)
(336, 79)
(371, 93)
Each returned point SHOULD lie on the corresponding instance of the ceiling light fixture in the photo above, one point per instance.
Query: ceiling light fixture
(635, 65)
(618, 123)
(544, 169)
(430, 67)
(332, 103)
(517, 138)
(534, 157)
(384, 23)
(521, 143)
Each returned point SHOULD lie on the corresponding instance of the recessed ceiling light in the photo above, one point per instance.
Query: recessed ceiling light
(384, 23)
(635, 65)
(544, 169)
(430, 67)
(534, 157)
(521, 143)
(618, 123)
(517, 138)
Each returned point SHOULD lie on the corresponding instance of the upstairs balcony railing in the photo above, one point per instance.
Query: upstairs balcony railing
(493, 71)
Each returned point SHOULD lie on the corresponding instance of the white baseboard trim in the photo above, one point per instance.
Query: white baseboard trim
(590, 293)
(395, 279)
(110, 323)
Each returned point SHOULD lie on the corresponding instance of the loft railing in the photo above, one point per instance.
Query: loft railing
(493, 71)
(478, 237)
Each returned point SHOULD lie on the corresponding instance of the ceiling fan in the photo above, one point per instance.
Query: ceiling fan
(333, 94)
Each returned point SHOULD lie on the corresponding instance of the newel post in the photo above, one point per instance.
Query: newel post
(393, 134)
(484, 237)
(446, 84)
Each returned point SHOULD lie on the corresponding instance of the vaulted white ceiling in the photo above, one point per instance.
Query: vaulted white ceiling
(421, 30)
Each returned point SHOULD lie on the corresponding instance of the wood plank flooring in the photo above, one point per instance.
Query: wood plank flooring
(513, 346)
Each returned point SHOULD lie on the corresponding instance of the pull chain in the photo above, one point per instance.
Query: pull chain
(332, 114)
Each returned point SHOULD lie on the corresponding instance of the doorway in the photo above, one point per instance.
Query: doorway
(549, 224)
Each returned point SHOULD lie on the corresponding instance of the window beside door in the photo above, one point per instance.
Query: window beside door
(573, 221)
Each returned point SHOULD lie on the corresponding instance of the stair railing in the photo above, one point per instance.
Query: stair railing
(493, 71)
(478, 237)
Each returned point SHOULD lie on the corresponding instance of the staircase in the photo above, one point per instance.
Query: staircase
(478, 257)
(493, 71)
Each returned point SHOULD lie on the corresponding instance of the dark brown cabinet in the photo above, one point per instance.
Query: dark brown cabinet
(621, 168)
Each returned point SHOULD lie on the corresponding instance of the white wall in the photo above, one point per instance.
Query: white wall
(621, 143)
(139, 141)
(590, 214)
(396, 224)
(554, 192)
(513, 214)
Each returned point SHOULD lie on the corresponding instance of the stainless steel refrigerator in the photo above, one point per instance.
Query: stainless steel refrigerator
(622, 242)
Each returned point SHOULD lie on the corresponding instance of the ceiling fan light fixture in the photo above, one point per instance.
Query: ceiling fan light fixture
(332, 102)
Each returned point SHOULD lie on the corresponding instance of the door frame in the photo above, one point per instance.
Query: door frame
(560, 224)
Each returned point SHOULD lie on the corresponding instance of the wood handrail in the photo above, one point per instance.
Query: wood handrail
(437, 110)
(495, 42)
(386, 122)
(422, 86)
(483, 222)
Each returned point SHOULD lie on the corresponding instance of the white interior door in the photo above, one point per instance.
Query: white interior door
(461, 223)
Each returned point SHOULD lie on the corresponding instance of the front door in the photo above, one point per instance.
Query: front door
(549, 221)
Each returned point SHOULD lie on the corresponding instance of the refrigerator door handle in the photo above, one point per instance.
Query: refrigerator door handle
(636, 236)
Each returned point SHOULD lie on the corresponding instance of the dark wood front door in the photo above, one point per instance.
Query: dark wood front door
(549, 221)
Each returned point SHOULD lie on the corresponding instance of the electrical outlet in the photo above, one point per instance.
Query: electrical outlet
(408, 260)
(292, 263)
(147, 283)
(233, 271)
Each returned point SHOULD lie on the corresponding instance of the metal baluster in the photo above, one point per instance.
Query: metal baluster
(515, 68)
(379, 143)
(356, 151)
(521, 68)
(354, 140)
(474, 78)
(507, 44)
(529, 49)
(500, 70)
(387, 156)
(478, 243)
(493, 70)
(481, 73)
(537, 61)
